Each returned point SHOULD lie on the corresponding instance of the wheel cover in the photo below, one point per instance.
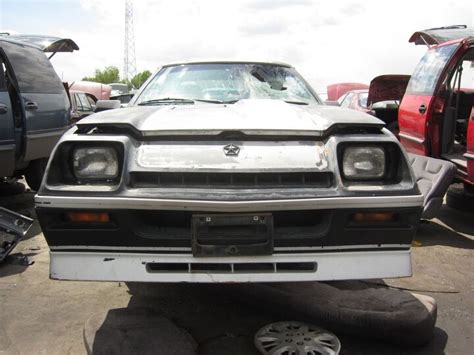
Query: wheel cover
(296, 338)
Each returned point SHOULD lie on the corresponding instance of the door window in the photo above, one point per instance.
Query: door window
(33, 71)
(429, 69)
(86, 106)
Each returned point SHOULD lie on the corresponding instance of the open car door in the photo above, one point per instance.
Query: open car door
(419, 102)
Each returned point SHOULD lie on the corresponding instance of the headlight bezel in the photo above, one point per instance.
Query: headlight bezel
(392, 174)
(62, 172)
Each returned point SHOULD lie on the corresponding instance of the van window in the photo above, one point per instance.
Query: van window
(33, 71)
(467, 77)
(426, 75)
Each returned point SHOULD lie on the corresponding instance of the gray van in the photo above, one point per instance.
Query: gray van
(34, 105)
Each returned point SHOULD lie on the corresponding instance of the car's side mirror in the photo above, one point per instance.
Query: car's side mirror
(102, 105)
(332, 103)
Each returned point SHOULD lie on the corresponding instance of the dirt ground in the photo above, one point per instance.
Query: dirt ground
(42, 316)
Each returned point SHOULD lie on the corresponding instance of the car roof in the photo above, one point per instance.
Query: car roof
(434, 36)
(227, 62)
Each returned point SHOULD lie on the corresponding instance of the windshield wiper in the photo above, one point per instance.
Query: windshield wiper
(211, 101)
(296, 102)
(217, 101)
(166, 100)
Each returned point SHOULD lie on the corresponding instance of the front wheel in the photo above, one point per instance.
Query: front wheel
(34, 173)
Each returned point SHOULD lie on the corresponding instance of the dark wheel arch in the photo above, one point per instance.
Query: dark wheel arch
(34, 173)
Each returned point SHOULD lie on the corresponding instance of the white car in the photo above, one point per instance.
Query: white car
(228, 172)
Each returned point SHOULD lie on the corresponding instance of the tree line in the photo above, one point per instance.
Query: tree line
(111, 74)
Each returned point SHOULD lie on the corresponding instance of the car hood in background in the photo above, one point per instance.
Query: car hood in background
(387, 87)
(335, 91)
(100, 91)
(252, 117)
(47, 43)
(433, 36)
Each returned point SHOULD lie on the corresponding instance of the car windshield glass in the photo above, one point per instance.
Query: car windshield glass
(222, 83)
(429, 69)
(363, 99)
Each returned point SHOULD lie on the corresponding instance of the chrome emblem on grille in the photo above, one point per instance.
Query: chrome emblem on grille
(231, 150)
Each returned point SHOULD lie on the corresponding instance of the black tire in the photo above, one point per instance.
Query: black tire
(459, 199)
(34, 173)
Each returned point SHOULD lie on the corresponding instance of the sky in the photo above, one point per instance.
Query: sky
(326, 41)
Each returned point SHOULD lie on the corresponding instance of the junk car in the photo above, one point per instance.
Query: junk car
(436, 116)
(34, 105)
(228, 172)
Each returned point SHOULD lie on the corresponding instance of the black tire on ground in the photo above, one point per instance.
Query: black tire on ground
(459, 199)
(12, 187)
(394, 128)
(34, 173)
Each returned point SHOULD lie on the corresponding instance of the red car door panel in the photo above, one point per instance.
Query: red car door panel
(412, 119)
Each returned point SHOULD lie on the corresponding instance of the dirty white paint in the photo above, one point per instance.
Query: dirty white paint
(131, 267)
(253, 156)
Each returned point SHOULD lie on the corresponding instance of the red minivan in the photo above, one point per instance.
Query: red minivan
(436, 116)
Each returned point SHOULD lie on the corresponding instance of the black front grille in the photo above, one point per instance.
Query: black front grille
(231, 180)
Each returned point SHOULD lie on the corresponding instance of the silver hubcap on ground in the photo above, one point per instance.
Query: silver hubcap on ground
(296, 338)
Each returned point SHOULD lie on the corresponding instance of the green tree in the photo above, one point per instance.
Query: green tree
(106, 76)
(140, 78)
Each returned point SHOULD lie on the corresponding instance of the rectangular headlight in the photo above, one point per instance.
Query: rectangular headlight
(96, 163)
(363, 163)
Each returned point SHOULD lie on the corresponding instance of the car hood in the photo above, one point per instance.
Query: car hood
(387, 87)
(252, 117)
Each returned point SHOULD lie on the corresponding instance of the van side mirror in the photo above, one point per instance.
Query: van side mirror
(102, 105)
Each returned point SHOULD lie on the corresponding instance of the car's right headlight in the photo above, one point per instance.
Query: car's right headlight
(364, 163)
(95, 163)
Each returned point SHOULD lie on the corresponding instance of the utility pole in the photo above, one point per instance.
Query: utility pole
(129, 62)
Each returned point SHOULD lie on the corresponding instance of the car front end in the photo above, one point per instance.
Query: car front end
(249, 191)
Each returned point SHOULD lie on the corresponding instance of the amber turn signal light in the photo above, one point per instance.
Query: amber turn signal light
(374, 217)
(91, 217)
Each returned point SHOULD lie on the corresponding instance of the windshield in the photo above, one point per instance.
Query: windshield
(429, 69)
(363, 99)
(227, 83)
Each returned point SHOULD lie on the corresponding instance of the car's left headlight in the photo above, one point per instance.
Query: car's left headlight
(364, 163)
(95, 163)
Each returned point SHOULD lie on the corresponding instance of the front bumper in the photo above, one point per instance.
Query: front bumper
(151, 240)
(133, 267)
